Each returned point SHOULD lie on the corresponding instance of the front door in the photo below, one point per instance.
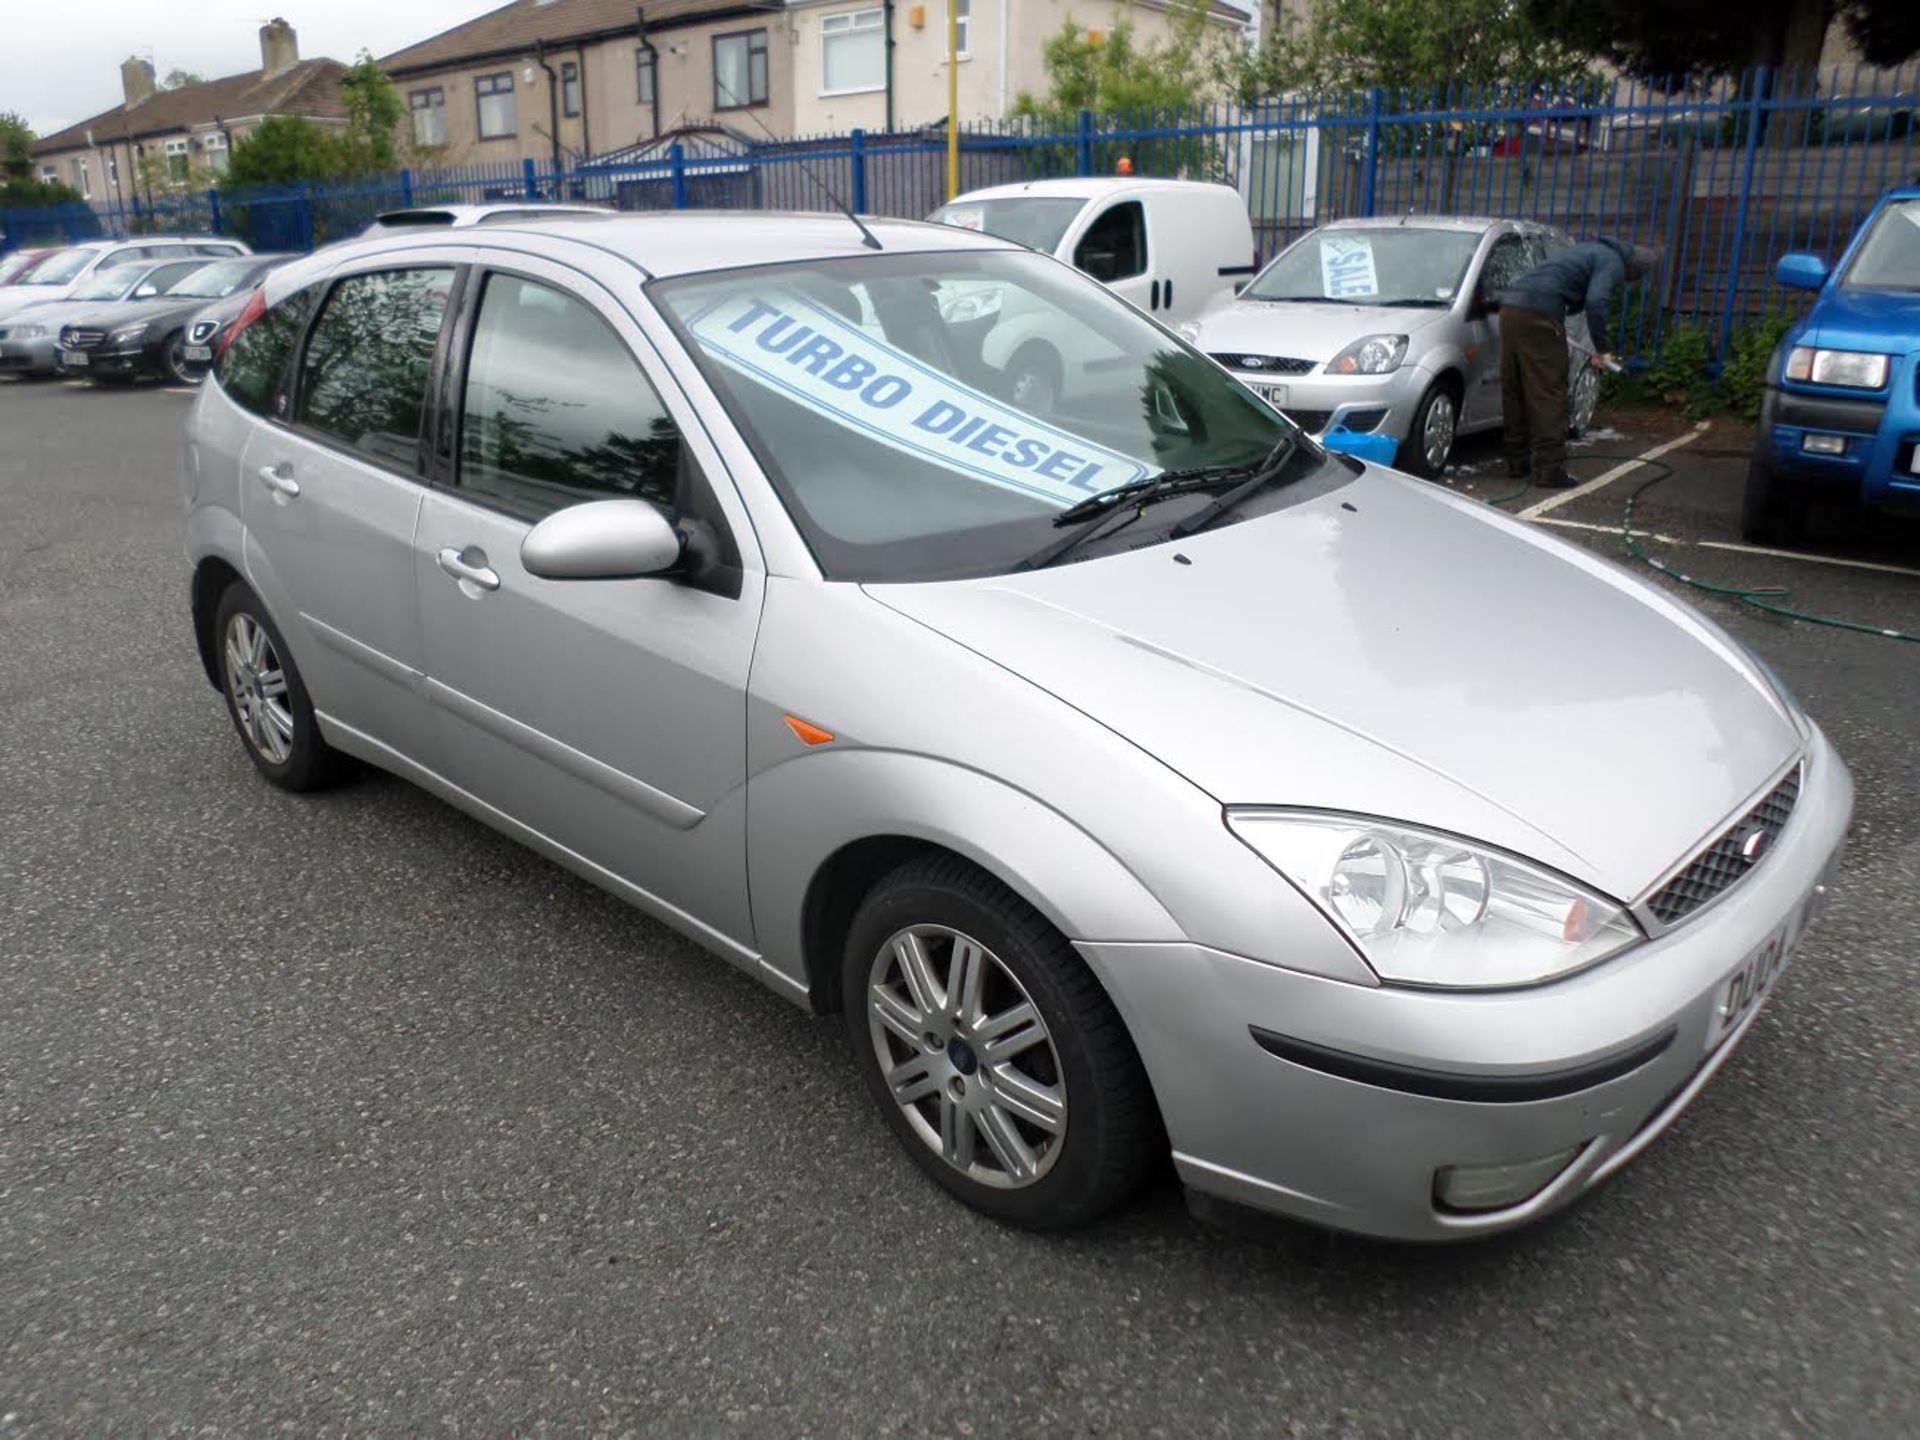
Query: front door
(608, 716)
(1510, 257)
(331, 495)
(1113, 250)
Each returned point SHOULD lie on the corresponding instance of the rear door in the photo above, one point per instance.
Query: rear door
(332, 492)
(606, 716)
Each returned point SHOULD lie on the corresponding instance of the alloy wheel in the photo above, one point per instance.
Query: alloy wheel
(257, 683)
(1436, 435)
(966, 1056)
(1586, 400)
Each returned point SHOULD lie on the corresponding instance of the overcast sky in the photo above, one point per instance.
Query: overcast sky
(60, 62)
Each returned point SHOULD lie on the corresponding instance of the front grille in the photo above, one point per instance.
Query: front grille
(1266, 364)
(73, 338)
(1727, 860)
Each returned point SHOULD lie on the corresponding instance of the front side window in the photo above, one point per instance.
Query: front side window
(557, 409)
(499, 119)
(1889, 258)
(179, 162)
(429, 111)
(643, 66)
(570, 88)
(363, 378)
(927, 416)
(1408, 265)
(853, 52)
(1115, 245)
(740, 70)
(1506, 263)
(252, 366)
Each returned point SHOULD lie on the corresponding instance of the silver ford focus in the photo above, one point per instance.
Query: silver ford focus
(1134, 777)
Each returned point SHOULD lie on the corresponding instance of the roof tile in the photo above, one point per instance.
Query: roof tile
(310, 88)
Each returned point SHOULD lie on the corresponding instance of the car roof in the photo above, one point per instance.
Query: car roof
(679, 242)
(1473, 223)
(1089, 187)
(428, 216)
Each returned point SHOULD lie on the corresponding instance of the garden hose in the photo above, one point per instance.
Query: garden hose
(1765, 598)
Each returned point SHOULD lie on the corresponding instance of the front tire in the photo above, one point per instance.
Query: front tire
(1772, 511)
(173, 360)
(1429, 442)
(995, 1056)
(266, 698)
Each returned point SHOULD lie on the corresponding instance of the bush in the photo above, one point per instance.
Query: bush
(1743, 374)
(1682, 374)
(1679, 374)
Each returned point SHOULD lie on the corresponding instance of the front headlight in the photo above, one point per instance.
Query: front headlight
(1370, 355)
(29, 332)
(1855, 369)
(1432, 909)
(129, 334)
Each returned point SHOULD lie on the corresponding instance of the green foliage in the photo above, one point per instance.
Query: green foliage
(1743, 374)
(1677, 37)
(1679, 376)
(180, 79)
(1416, 45)
(286, 148)
(18, 184)
(374, 113)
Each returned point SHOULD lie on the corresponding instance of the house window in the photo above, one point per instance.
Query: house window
(429, 109)
(853, 47)
(570, 88)
(113, 171)
(213, 147)
(740, 70)
(963, 13)
(80, 178)
(643, 67)
(178, 161)
(499, 120)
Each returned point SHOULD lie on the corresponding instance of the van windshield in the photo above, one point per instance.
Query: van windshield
(1036, 221)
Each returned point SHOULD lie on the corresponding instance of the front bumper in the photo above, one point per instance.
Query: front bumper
(1319, 403)
(1879, 434)
(27, 357)
(1601, 1062)
(128, 361)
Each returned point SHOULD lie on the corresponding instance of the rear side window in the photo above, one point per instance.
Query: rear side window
(251, 368)
(557, 410)
(363, 379)
(1115, 245)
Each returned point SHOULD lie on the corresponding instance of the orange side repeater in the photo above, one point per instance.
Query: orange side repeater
(809, 734)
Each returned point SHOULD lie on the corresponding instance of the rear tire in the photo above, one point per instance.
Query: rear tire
(1019, 1093)
(1773, 511)
(267, 699)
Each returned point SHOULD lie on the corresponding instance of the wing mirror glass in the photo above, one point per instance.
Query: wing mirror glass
(601, 540)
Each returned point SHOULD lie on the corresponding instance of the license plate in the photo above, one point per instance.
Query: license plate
(198, 352)
(73, 359)
(1742, 992)
(1274, 395)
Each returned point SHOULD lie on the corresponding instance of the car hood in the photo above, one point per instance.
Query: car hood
(1304, 331)
(1390, 650)
(1847, 319)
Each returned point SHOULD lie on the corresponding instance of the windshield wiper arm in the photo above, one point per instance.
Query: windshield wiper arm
(1269, 471)
(1149, 488)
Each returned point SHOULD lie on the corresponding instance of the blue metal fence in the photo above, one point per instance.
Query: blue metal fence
(1724, 175)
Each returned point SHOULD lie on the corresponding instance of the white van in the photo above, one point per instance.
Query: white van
(1171, 247)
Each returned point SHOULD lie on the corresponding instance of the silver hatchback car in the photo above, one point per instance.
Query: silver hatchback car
(1134, 777)
(1391, 327)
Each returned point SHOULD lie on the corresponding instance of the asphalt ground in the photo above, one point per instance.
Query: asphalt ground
(346, 1114)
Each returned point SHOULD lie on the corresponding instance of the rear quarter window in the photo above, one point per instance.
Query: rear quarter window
(253, 366)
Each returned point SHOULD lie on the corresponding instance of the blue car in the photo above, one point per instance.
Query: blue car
(1841, 415)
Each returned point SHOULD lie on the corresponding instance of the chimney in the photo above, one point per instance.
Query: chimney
(279, 47)
(136, 79)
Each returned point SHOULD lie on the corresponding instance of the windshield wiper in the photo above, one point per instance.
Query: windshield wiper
(1412, 302)
(1148, 489)
(1269, 471)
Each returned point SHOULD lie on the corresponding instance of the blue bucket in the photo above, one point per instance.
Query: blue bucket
(1374, 449)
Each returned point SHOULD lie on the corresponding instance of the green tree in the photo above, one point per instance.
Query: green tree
(286, 148)
(180, 79)
(1413, 45)
(1676, 37)
(18, 184)
(1116, 74)
(374, 113)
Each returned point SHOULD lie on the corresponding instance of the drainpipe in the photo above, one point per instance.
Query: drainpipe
(1003, 60)
(586, 135)
(886, 10)
(553, 101)
(653, 65)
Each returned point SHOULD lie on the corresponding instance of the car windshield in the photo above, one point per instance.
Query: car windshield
(1889, 257)
(216, 281)
(1036, 221)
(111, 284)
(59, 268)
(926, 416)
(1374, 265)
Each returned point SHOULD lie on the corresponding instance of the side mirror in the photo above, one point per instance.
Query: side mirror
(601, 540)
(1801, 271)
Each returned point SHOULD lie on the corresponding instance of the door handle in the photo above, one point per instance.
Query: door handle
(483, 576)
(1166, 295)
(1153, 302)
(279, 479)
